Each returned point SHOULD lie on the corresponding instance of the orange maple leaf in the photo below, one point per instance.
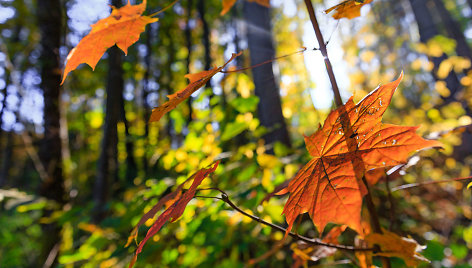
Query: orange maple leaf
(122, 27)
(196, 81)
(351, 141)
(228, 4)
(174, 211)
(347, 9)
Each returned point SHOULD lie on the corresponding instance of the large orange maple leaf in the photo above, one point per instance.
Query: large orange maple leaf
(122, 27)
(351, 141)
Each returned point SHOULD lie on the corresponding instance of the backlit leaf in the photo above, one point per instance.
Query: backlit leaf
(347, 9)
(196, 81)
(174, 211)
(228, 4)
(392, 245)
(351, 141)
(122, 27)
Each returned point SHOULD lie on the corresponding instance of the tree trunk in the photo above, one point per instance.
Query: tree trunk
(50, 153)
(108, 159)
(131, 167)
(454, 30)
(146, 106)
(427, 30)
(188, 41)
(259, 35)
(3, 177)
(108, 162)
(205, 39)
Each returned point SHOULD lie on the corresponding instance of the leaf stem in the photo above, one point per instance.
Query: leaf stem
(225, 198)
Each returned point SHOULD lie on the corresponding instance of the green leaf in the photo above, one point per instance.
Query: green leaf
(434, 251)
(245, 105)
(233, 129)
(459, 251)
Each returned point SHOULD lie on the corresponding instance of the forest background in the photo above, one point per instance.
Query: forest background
(81, 164)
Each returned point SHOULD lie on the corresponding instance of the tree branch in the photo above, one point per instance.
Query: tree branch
(324, 52)
(311, 241)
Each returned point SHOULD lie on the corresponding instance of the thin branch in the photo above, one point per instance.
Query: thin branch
(324, 52)
(164, 9)
(416, 184)
(311, 241)
(264, 62)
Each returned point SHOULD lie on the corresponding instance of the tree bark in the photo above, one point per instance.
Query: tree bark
(3, 177)
(188, 41)
(427, 30)
(454, 30)
(145, 94)
(108, 159)
(205, 39)
(50, 152)
(261, 48)
(108, 162)
(131, 167)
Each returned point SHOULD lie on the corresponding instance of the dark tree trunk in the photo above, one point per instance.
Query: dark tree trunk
(454, 30)
(131, 167)
(108, 162)
(147, 107)
(50, 153)
(261, 48)
(7, 155)
(427, 30)
(188, 41)
(205, 39)
(3, 177)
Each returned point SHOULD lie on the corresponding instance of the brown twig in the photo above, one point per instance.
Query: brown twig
(324, 52)
(225, 198)
(164, 9)
(264, 62)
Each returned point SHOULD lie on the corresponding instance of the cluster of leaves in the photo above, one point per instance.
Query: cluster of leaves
(331, 186)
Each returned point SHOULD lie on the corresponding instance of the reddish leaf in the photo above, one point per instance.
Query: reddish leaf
(348, 9)
(330, 186)
(197, 81)
(152, 212)
(122, 27)
(174, 211)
